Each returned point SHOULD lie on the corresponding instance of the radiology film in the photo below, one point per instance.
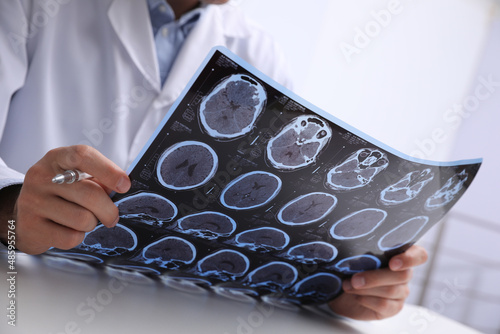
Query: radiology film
(249, 191)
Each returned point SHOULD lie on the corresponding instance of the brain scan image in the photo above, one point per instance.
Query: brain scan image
(147, 205)
(131, 274)
(109, 241)
(282, 301)
(78, 256)
(69, 265)
(320, 287)
(224, 264)
(407, 188)
(169, 252)
(262, 239)
(207, 225)
(448, 192)
(250, 190)
(357, 264)
(307, 209)
(358, 224)
(357, 170)
(247, 191)
(186, 283)
(133, 268)
(274, 275)
(299, 143)
(403, 234)
(233, 106)
(236, 291)
(312, 252)
(187, 165)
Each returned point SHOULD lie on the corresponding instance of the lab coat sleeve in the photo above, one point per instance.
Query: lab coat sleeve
(14, 34)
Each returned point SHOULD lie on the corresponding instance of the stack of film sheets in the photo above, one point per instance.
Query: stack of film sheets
(249, 191)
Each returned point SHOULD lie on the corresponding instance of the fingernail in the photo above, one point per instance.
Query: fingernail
(358, 282)
(123, 185)
(347, 286)
(116, 221)
(396, 264)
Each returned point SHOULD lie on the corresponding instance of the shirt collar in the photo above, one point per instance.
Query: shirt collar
(187, 17)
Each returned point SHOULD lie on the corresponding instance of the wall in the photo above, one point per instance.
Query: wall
(468, 249)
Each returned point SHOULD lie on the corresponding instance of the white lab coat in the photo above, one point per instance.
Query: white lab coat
(85, 72)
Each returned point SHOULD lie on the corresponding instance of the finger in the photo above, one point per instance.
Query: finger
(382, 307)
(89, 160)
(68, 214)
(412, 257)
(62, 237)
(398, 291)
(348, 306)
(38, 238)
(377, 278)
(92, 197)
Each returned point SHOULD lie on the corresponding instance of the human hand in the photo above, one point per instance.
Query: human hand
(53, 215)
(379, 294)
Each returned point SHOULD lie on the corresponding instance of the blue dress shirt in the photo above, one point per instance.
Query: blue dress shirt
(169, 33)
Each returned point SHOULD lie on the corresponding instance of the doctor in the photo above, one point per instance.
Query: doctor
(83, 85)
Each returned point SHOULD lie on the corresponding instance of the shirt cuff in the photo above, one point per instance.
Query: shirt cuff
(4, 183)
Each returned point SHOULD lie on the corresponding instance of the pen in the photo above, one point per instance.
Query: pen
(70, 176)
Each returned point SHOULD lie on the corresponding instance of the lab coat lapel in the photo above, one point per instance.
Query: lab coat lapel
(213, 29)
(217, 24)
(131, 22)
(205, 35)
(200, 40)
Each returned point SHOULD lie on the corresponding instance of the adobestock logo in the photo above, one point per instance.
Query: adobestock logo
(364, 36)
(453, 117)
(39, 19)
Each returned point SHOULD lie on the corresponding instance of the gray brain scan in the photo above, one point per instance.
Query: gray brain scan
(317, 287)
(357, 264)
(250, 190)
(357, 170)
(232, 107)
(186, 283)
(358, 224)
(307, 209)
(238, 293)
(79, 256)
(224, 264)
(131, 268)
(147, 205)
(187, 165)
(262, 239)
(277, 275)
(299, 143)
(403, 234)
(312, 252)
(69, 265)
(207, 225)
(169, 252)
(448, 192)
(131, 274)
(407, 188)
(110, 241)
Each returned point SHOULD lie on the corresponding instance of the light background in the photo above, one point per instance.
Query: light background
(413, 85)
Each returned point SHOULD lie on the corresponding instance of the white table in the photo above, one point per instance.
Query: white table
(53, 301)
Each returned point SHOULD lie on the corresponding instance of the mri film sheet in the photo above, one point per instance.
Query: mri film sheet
(249, 191)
